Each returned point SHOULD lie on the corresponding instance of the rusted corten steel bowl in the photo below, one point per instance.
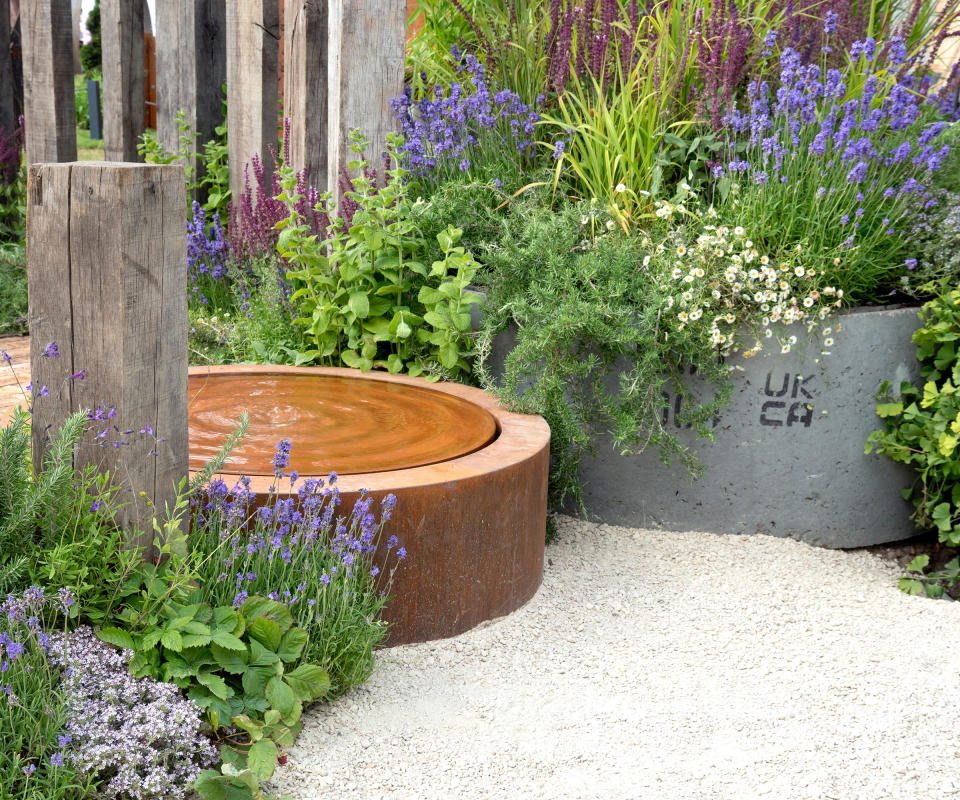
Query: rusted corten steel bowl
(470, 477)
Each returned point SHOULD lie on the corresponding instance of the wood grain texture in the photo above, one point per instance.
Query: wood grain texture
(107, 261)
(191, 68)
(252, 53)
(49, 105)
(306, 39)
(8, 108)
(367, 39)
(473, 526)
(123, 78)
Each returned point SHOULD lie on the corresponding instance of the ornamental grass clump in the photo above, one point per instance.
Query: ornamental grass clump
(828, 163)
(301, 552)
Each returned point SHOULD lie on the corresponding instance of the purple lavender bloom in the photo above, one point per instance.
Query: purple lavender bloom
(51, 351)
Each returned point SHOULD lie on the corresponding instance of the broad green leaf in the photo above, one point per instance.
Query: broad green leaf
(228, 641)
(292, 644)
(253, 728)
(230, 660)
(267, 632)
(195, 640)
(216, 684)
(359, 304)
(210, 785)
(308, 682)
(255, 679)
(280, 695)
(118, 637)
(889, 409)
(919, 564)
(172, 641)
(262, 759)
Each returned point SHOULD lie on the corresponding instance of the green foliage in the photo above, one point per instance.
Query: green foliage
(366, 299)
(922, 425)
(616, 152)
(13, 290)
(91, 54)
(252, 324)
(209, 180)
(13, 210)
(35, 505)
(937, 583)
(243, 666)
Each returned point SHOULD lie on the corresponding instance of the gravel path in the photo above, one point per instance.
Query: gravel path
(662, 665)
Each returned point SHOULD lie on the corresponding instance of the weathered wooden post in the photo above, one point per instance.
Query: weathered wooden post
(305, 77)
(123, 78)
(49, 105)
(191, 68)
(252, 52)
(107, 264)
(8, 109)
(365, 58)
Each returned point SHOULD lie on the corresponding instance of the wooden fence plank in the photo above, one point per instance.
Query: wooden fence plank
(123, 78)
(49, 105)
(191, 68)
(252, 52)
(8, 107)
(306, 39)
(367, 39)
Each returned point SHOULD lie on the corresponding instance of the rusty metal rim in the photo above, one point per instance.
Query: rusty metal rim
(518, 435)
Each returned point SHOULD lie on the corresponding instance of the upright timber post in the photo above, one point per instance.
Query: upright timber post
(252, 53)
(191, 68)
(123, 78)
(8, 108)
(365, 64)
(305, 64)
(49, 105)
(107, 267)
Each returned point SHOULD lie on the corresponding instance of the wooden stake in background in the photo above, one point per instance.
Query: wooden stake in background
(49, 106)
(107, 266)
(191, 68)
(123, 78)
(253, 30)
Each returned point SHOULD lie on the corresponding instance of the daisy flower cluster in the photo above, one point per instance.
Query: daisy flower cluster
(714, 279)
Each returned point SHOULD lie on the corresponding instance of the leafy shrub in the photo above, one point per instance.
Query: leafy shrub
(35, 759)
(13, 290)
(922, 426)
(935, 235)
(935, 583)
(137, 737)
(832, 175)
(365, 298)
(606, 323)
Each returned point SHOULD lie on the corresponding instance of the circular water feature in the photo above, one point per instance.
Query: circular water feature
(470, 477)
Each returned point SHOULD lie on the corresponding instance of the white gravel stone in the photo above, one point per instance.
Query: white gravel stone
(662, 665)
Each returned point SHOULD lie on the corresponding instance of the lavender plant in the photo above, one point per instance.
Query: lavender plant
(300, 552)
(207, 259)
(36, 757)
(828, 165)
(473, 129)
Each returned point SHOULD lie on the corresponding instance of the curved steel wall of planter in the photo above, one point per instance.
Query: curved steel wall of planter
(473, 526)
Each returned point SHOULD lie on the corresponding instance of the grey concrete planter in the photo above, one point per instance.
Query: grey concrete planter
(788, 458)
